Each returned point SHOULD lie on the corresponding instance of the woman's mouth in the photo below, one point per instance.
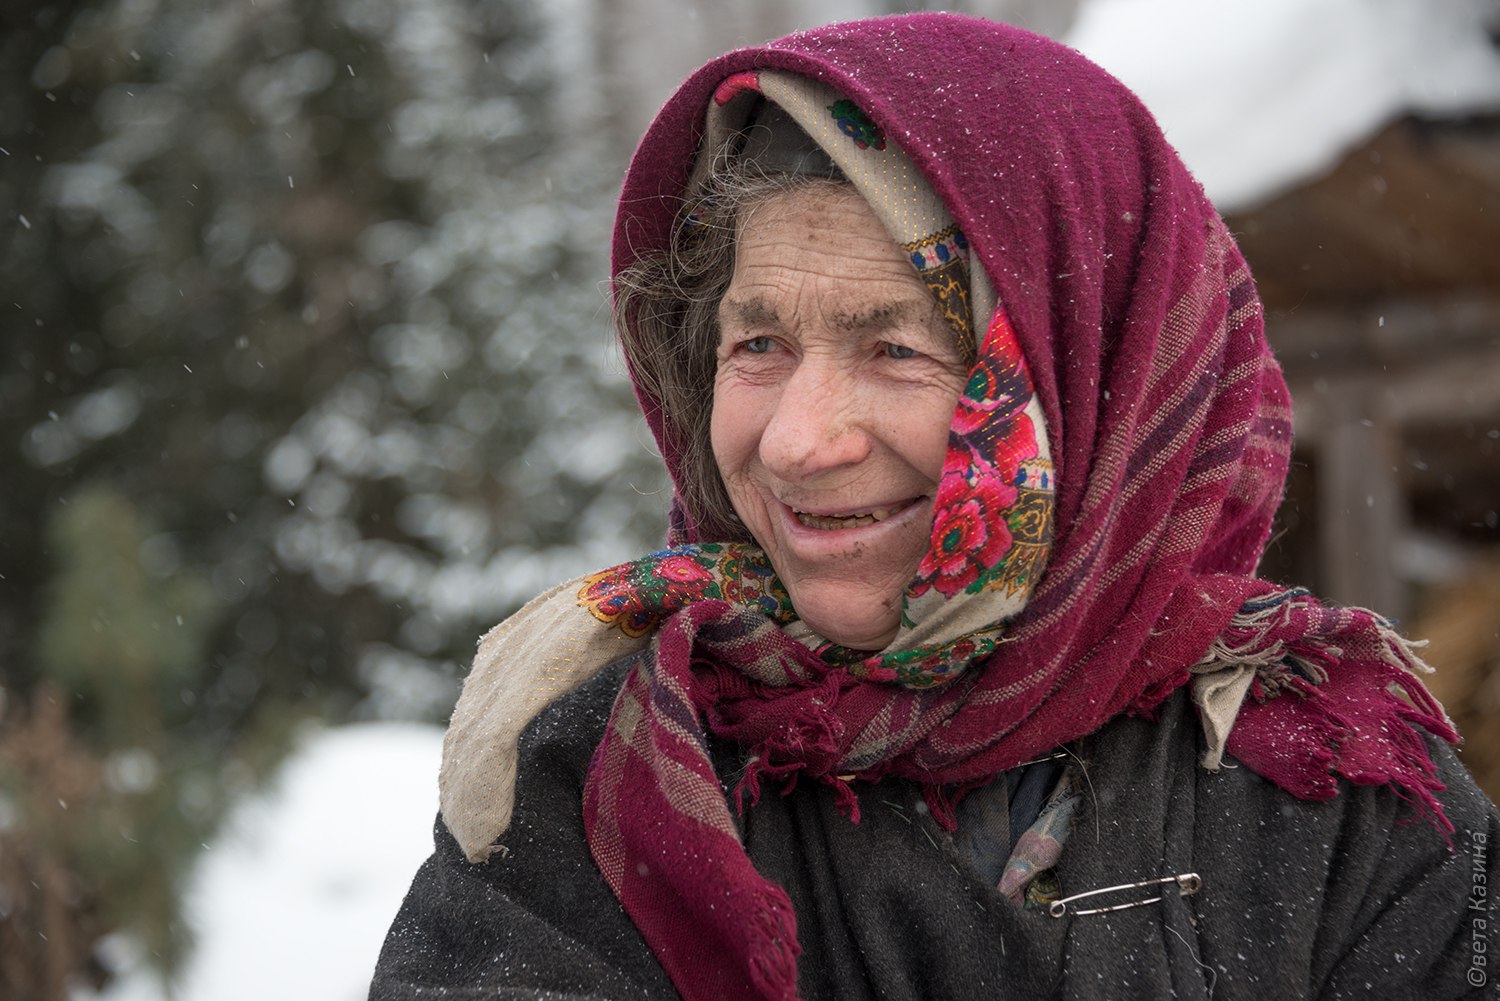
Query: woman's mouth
(834, 522)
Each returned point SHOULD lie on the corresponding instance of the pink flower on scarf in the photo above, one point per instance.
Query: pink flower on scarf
(682, 570)
(969, 537)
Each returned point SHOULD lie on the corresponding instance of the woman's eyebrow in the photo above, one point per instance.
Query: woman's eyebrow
(750, 312)
(755, 312)
(883, 316)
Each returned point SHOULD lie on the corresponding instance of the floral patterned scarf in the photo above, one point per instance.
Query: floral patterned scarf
(1123, 428)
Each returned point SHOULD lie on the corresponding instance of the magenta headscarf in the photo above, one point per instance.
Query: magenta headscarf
(1169, 425)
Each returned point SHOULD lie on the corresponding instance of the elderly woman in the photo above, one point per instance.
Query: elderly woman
(957, 681)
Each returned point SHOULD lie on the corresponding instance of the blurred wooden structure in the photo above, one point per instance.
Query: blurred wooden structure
(1382, 289)
(1459, 624)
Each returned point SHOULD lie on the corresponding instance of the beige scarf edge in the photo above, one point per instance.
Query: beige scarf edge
(541, 653)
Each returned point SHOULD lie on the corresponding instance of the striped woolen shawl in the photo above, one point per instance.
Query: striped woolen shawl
(1169, 425)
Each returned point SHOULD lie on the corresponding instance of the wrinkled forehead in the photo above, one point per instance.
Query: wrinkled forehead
(784, 123)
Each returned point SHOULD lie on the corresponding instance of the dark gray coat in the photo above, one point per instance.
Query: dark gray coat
(1342, 899)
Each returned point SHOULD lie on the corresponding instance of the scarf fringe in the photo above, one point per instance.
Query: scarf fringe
(810, 742)
(1368, 735)
(773, 957)
(843, 795)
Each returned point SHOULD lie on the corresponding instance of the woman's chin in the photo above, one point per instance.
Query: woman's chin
(836, 625)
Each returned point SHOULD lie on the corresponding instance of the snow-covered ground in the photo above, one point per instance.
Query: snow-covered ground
(1258, 95)
(293, 899)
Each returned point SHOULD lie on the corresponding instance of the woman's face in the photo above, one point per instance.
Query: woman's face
(836, 383)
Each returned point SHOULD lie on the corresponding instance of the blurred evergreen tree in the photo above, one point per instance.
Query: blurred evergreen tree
(314, 290)
(109, 801)
(118, 639)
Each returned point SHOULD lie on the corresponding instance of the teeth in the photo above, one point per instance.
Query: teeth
(818, 521)
(837, 521)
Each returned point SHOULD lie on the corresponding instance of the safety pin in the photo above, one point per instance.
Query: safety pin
(1046, 757)
(1188, 883)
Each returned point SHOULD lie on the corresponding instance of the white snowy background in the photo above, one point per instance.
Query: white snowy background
(293, 899)
(1258, 95)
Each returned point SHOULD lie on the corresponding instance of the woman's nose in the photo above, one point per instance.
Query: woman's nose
(817, 425)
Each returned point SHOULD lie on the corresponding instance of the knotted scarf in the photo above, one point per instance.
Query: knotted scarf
(1124, 425)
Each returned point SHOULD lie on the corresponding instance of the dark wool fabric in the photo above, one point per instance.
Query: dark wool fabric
(1300, 899)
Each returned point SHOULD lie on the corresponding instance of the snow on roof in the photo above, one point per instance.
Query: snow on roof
(1258, 95)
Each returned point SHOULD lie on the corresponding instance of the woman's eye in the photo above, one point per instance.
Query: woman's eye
(757, 345)
(899, 351)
